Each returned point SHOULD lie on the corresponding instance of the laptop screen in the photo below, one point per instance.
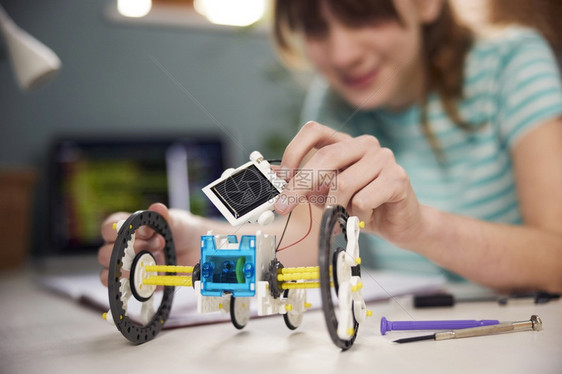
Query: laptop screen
(90, 179)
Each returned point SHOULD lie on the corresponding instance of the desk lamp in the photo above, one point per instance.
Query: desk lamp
(34, 64)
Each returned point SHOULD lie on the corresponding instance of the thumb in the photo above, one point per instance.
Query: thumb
(162, 210)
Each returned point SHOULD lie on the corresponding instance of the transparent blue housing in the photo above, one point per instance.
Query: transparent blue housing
(228, 270)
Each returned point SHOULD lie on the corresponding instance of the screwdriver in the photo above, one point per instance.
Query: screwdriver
(534, 323)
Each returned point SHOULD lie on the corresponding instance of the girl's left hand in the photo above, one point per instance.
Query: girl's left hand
(356, 173)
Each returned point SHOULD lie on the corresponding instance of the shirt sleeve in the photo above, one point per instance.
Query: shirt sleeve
(530, 89)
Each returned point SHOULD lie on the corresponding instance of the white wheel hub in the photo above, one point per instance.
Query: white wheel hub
(143, 290)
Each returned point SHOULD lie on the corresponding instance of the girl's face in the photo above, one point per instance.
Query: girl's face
(375, 65)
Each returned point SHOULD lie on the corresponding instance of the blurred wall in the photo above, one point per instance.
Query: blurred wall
(109, 83)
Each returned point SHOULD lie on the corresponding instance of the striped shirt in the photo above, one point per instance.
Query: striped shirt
(511, 85)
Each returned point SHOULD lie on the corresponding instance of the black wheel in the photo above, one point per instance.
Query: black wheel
(270, 276)
(121, 288)
(239, 311)
(335, 266)
(295, 297)
(196, 274)
(332, 240)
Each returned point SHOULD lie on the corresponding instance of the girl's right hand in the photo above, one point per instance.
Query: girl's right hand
(185, 232)
(367, 181)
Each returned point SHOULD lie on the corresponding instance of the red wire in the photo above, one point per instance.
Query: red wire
(307, 233)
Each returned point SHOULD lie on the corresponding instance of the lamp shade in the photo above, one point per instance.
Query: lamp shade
(33, 63)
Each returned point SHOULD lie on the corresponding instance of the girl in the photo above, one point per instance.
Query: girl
(447, 146)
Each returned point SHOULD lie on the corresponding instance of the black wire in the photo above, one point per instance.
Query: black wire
(278, 161)
(283, 233)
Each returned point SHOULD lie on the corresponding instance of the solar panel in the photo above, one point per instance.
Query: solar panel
(246, 192)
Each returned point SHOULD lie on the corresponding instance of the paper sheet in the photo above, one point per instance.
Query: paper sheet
(87, 289)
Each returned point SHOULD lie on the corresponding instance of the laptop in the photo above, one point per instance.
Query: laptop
(90, 178)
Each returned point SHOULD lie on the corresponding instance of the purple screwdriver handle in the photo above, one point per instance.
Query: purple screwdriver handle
(387, 325)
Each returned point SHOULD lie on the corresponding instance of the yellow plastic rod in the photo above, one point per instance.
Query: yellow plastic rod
(169, 268)
(168, 280)
(298, 270)
(308, 269)
(290, 286)
(298, 276)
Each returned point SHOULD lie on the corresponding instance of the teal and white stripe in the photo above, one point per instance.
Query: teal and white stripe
(512, 85)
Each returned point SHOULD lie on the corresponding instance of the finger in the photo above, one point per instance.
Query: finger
(104, 277)
(161, 209)
(154, 244)
(145, 232)
(159, 257)
(312, 135)
(390, 187)
(321, 199)
(368, 199)
(108, 233)
(281, 173)
(323, 167)
(104, 254)
(357, 176)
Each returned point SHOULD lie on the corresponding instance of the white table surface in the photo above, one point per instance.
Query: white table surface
(43, 333)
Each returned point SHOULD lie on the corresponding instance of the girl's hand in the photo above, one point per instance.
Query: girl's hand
(356, 173)
(185, 232)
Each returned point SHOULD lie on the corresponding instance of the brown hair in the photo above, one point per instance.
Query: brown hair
(446, 43)
(544, 15)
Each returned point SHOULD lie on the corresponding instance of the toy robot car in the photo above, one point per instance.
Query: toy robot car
(234, 270)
